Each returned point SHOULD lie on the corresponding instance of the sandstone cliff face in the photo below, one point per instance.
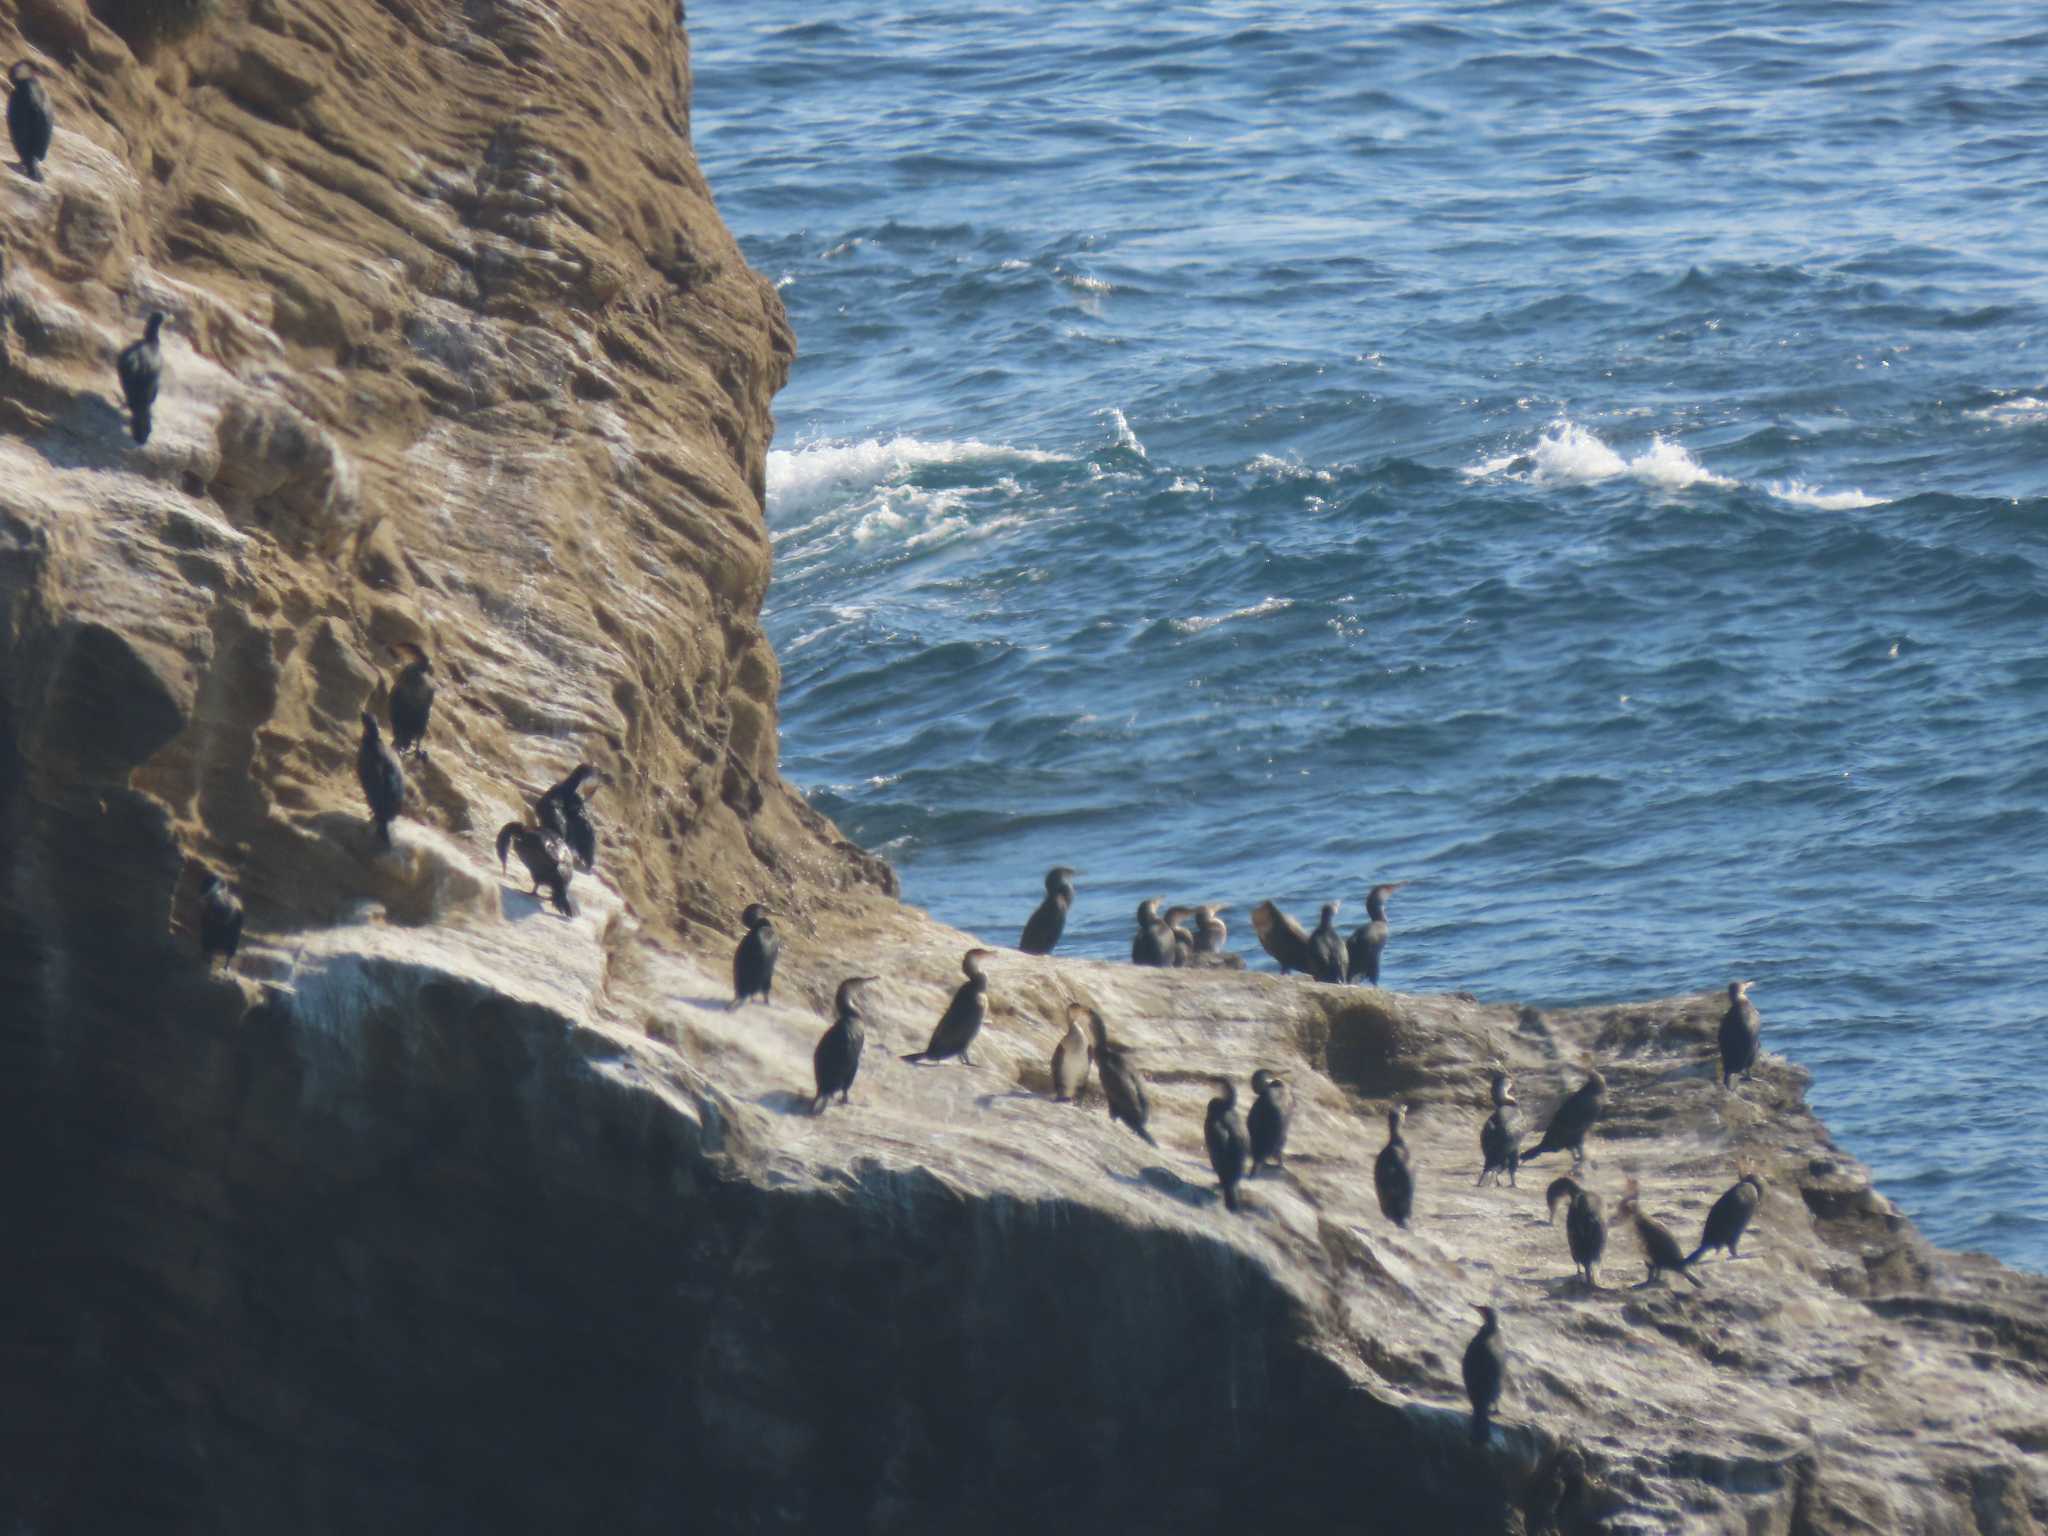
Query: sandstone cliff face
(445, 1213)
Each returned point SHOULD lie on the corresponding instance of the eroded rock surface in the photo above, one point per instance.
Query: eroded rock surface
(447, 1213)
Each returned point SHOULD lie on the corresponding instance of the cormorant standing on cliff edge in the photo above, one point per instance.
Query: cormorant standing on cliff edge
(546, 858)
(1585, 1225)
(220, 921)
(1571, 1120)
(141, 367)
(1153, 943)
(382, 779)
(1211, 934)
(1326, 946)
(1486, 1374)
(412, 700)
(1121, 1085)
(1070, 1057)
(1393, 1176)
(30, 123)
(1660, 1248)
(836, 1061)
(1283, 938)
(964, 1016)
(1500, 1139)
(1729, 1218)
(753, 959)
(1362, 952)
(1742, 1030)
(1046, 925)
(1223, 1132)
(563, 812)
(1272, 1112)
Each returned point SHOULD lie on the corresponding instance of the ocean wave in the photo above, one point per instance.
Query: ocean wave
(1194, 624)
(1800, 494)
(1569, 454)
(806, 480)
(2025, 411)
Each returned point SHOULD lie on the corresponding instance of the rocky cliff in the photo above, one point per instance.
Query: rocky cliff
(446, 1213)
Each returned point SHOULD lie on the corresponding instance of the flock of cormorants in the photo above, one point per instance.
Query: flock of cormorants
(561, 839)
(1240, 1145)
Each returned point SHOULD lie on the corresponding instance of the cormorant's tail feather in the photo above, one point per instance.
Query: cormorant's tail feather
(1229, 1197)
(139, 424)
(1694, 1256)
(916, 1056)
(1482, 1425)
(1146, 1134)
(1695, 1279)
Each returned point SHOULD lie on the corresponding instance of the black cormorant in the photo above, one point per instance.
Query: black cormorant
(562, 811)
(1326, 946)
(1362, 952)
(1223, 1131)
(141, 366)
(836, 1061)
(753, 960)
(1183, 940)
(382, 779)
(1571, 1120)
(546, 858)
(1283, 938)
(1153, 943)
(1121, 1085)
(1660, 1248)
(1500, 1139)
(1585, 1225)
(412, 700)
(1486, 1374)
(1741, 1033)
(1393, 1175)
(220, 921)
(963, 1017)
(1043, 931)
(1271, 1113)
(1729, 1218)
(1210, 935)
(1071, 1056)
(30, 122)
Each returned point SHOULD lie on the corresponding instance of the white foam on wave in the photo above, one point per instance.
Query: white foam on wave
(1288, 469)
(1569, 454)
(1125, 437)
(1194, 624)
(2026, 410)
(1800, 494)
(818, 476)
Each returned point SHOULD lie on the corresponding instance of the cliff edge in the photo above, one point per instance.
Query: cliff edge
(443, 1212)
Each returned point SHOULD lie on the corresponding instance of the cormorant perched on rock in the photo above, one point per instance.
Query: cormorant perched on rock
(836, 1061)
(382, 779)
(1742, 1030)
(220, 921)
(1486, 1374)
(1211, 934)
(753, 960)
(30, 122)
(1571, 1120)
(546, 858)
(1660, 1248)
(562, 811)
(1121, 1085)
(1729, 1218)
(1153, 943)
(1362, 952)
(1392, 1173)
(141, 366)
(1223, 1131)
(1271, 1114)
(1183, 941)
(963, 1017)
(1283, 938)
(1500, 1139)
(1071, 1056)
(1326, 946)
(412, 700)
(1043, 931)
(1585, 1225)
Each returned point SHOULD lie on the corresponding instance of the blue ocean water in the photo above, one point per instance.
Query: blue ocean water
(1584, 460)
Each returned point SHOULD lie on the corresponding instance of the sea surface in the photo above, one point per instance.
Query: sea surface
(1585, 461)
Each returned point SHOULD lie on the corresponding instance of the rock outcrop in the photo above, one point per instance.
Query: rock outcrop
(443, 1212)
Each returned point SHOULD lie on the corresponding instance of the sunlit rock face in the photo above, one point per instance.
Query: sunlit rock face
(445, 1212)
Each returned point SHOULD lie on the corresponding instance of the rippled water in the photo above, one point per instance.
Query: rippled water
(1583, 460)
